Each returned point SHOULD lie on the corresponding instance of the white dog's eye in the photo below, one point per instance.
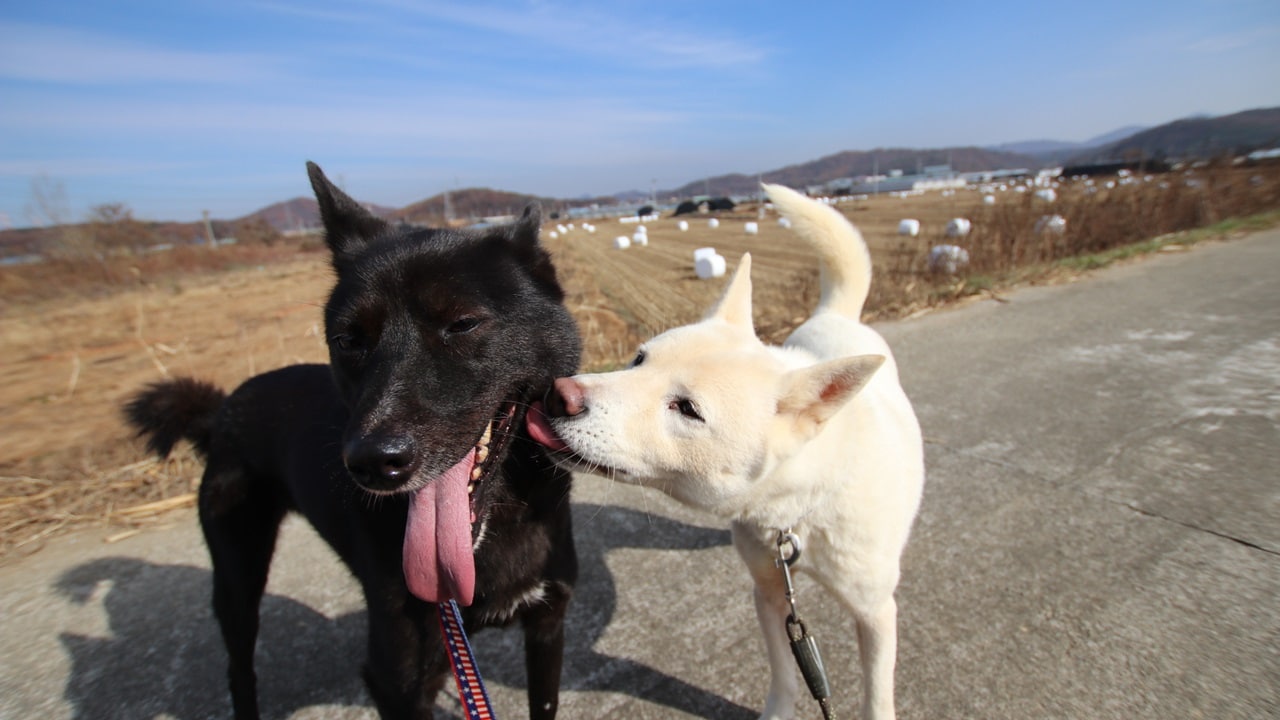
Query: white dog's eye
(639, 359)
(685, 407)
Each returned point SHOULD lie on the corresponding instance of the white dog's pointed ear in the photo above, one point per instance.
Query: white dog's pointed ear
(735, 304)
(810, 396)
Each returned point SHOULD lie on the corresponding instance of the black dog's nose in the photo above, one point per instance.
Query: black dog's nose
(381, 462)
(566, 399)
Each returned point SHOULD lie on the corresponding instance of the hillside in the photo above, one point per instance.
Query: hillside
(859, 162)
(1236, 134)
(301, 213)
(469, 205)
(1051, 151)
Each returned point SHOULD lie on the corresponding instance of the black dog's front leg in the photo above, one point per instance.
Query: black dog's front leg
(544, 651)
(406, 667)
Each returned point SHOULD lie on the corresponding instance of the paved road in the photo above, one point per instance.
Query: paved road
(1099, 539)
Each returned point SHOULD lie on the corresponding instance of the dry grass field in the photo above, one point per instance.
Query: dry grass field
(68, 361)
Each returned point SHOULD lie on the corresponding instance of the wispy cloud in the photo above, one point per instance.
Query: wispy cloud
(474, 123)
(44, 53)
(590, 31)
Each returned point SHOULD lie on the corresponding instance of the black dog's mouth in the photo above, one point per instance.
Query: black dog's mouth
(442, 527)
(491, 448)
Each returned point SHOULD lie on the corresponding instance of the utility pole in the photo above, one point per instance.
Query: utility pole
(208, 231)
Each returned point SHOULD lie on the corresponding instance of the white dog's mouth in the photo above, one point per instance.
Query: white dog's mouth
(540, 429)
(544, 433)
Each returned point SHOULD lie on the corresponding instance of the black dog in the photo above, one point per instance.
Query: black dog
(438, 342)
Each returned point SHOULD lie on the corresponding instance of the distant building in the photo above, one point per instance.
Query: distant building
(932, 177)
(989, 176)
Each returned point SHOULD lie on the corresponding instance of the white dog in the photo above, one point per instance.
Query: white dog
(815, 437)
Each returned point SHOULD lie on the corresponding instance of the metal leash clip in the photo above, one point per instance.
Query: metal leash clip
(803, 645)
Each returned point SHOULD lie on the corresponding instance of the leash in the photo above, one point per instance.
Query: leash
(803, 645)
(475, 700)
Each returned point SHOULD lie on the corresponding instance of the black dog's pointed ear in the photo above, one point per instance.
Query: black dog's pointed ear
(527, 227)
(523, 235)
(348, 227)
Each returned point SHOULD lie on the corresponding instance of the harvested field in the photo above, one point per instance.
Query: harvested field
(67, 361)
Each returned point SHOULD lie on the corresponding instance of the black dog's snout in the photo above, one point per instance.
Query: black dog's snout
(382, 462)
(566, 398)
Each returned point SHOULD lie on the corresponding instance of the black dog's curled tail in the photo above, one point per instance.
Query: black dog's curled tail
(171, 410)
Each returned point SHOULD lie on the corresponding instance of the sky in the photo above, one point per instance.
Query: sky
(175, 108)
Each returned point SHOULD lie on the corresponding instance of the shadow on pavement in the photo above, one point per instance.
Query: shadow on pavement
(164, 655)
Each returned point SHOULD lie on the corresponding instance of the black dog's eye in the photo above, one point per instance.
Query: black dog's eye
(639, 359)
(346, 343)
(462, 326)
(685, 407)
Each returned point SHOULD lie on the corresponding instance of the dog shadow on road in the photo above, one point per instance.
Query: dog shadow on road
(164, 656)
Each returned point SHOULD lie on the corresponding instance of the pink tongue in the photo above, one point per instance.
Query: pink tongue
(438, 561)
(540, 428)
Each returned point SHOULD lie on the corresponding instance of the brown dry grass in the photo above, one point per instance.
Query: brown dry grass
(76, 341)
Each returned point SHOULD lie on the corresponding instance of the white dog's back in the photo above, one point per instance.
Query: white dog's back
(881, 409)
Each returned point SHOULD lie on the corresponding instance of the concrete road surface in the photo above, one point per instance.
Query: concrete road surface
(1099, 539)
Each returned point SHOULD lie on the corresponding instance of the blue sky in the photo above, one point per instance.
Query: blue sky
(178, 107)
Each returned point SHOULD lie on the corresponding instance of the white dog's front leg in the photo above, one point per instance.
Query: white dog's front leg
(771, 611)
(878, 650)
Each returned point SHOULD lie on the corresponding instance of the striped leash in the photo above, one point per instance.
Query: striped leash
(475, 700)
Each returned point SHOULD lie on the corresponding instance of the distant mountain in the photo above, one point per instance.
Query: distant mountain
(301, 213)
(296, 214)
(1050, 151)
(468, 205)
(851, 163)
(1038, 147)
(1196, 137)
(1114, 136)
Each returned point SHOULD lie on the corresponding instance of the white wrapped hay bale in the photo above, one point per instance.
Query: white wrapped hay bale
(784, 222)
(703, 252)
(683, 225)
(1052, 224)
(713, 223)
(709, 266)
(751, 228)
(622, 242)
(947, 258)
(989, 200)
(958, 227)
(1047, 194)
(640, 238)
(909, 227)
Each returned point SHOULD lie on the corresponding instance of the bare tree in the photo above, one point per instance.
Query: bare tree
(113, 228)
(48, 206)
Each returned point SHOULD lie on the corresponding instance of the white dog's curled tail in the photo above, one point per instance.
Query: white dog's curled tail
(846, 262)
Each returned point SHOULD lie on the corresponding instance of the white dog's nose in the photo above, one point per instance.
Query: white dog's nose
(567, 398)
